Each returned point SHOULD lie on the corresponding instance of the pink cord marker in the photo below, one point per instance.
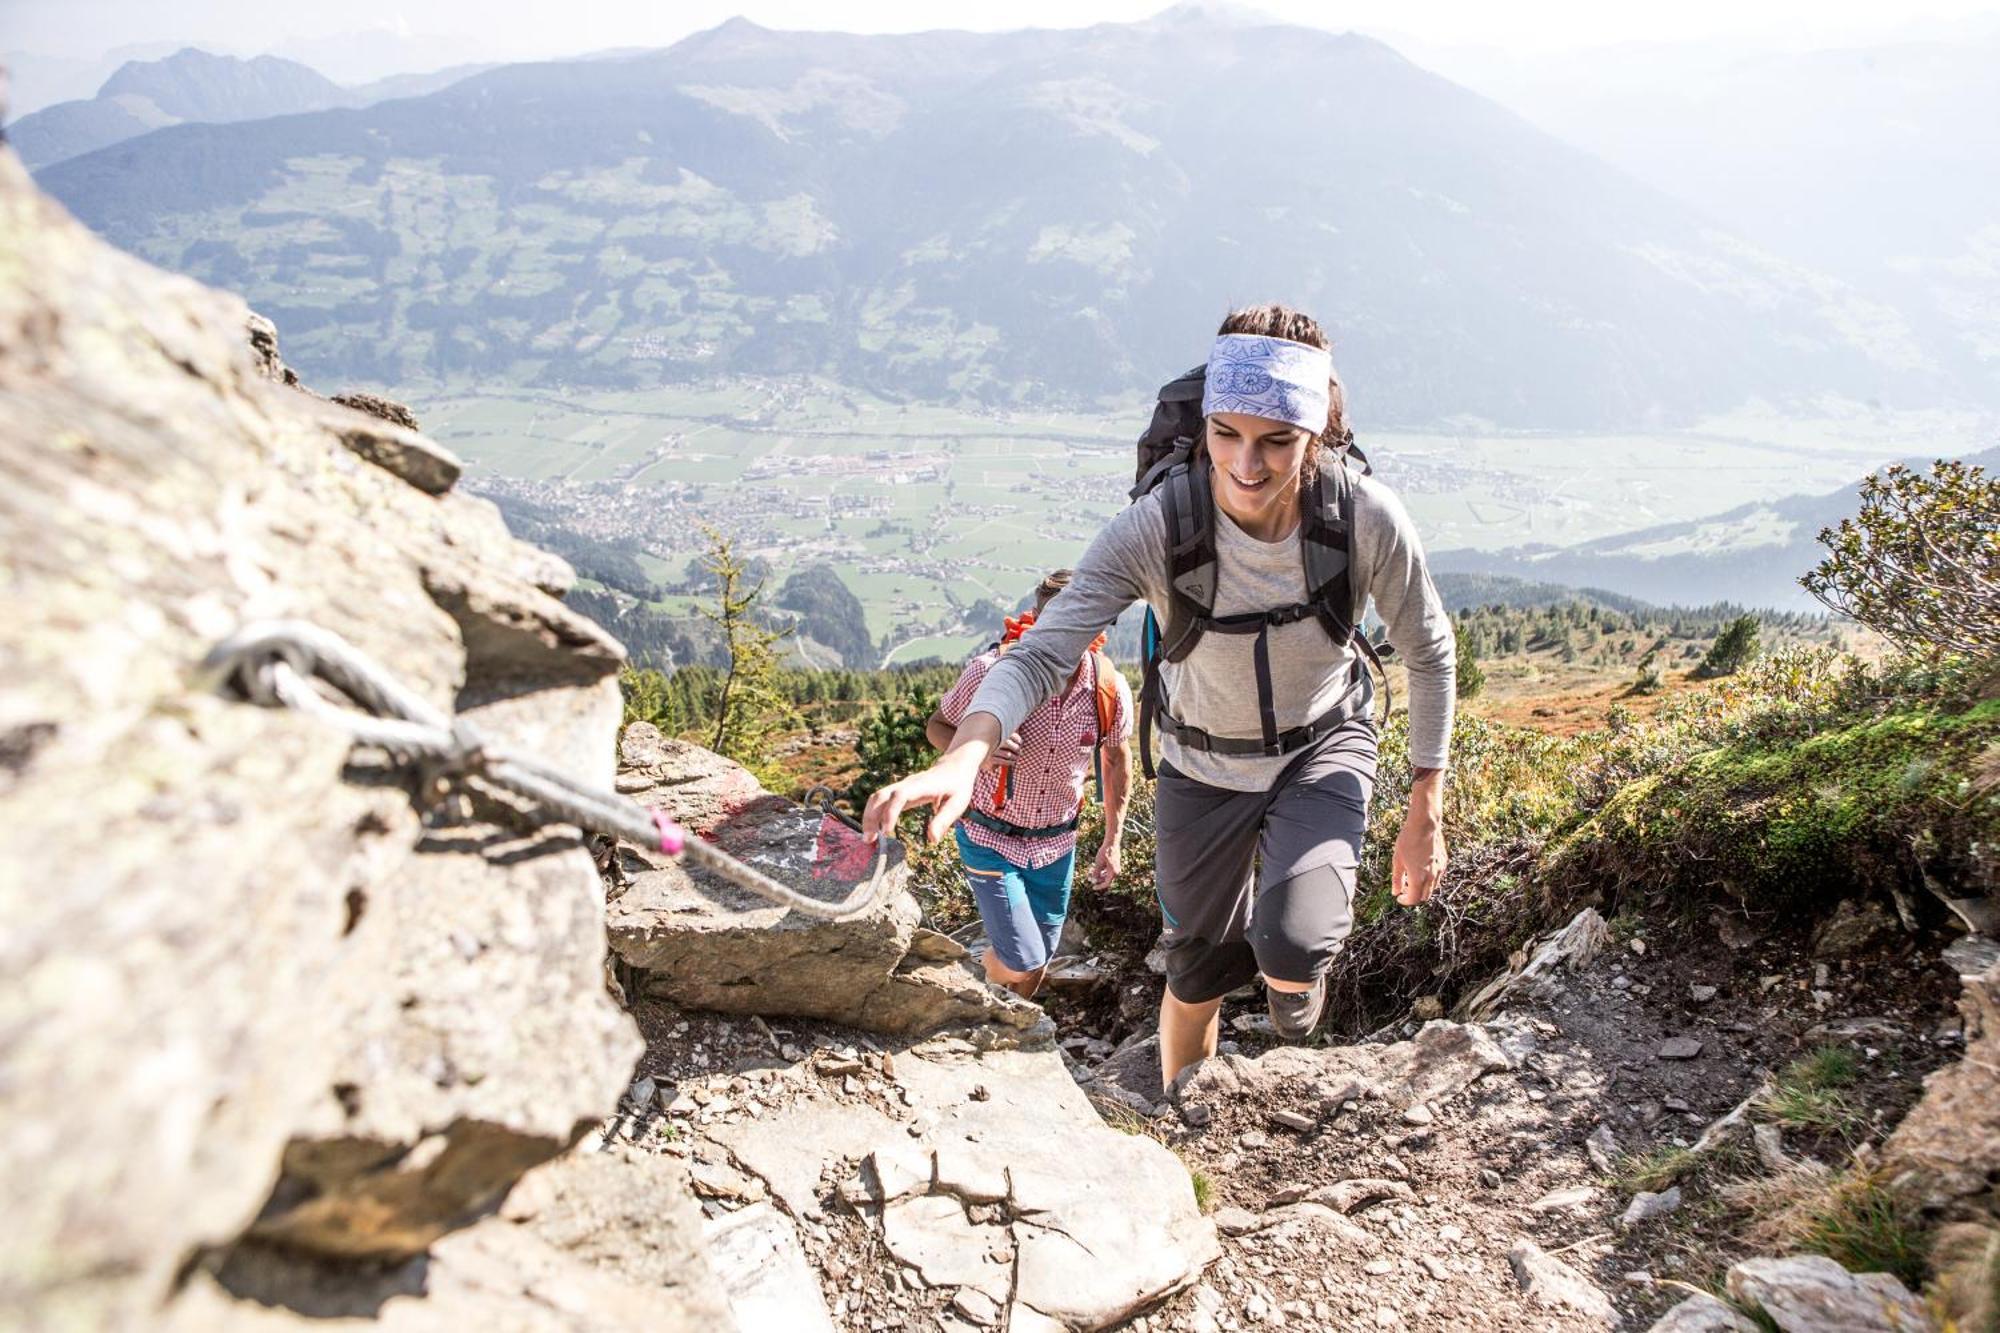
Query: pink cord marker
(672, 836)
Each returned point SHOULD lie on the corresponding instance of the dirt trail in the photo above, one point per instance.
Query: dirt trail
(1614, 1048)
(1666, 1030)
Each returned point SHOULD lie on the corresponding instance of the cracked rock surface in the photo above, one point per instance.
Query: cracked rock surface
(261, 986)
(933, 1183)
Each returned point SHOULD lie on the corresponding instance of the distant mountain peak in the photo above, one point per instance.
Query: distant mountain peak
(1213, 13)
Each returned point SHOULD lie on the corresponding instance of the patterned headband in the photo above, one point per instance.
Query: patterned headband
(1268, 377)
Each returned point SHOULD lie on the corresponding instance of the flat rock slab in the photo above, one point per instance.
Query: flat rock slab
(1012, 1187)
(932, 1234)
(1811, 1293)
(755, 1252)
(1442, 1059)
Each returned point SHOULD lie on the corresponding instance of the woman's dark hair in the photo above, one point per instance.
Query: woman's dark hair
(1046, 590)
(1280, 321)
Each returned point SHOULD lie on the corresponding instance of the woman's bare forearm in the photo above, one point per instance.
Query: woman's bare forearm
(977, 736)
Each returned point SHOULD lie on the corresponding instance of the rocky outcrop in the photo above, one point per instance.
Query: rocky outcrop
(1443, 1059)
(704, 944)
(1946, 1152)
(263, 991)
(950, 1185)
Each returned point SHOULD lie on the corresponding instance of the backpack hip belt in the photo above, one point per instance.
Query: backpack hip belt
(1353, 702)
(999, 825)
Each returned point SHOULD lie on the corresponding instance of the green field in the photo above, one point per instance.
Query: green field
(924, 510)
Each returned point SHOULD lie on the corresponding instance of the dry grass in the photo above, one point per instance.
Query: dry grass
(1851, 1216)
(1807, 1094)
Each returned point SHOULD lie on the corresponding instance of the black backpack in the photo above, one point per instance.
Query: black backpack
(1169, 461)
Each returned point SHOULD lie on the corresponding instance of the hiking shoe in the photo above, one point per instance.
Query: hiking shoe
(1295, 1015)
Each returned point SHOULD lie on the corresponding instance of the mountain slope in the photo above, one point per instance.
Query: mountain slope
(194, 85)
(1752, 555)
(1025, 216)
(1880, 164)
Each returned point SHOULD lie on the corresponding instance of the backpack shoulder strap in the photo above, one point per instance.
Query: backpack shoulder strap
(1189, 508)
(1107, 695)
(1325, 544)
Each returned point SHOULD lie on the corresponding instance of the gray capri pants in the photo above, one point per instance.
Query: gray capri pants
(1262, 881)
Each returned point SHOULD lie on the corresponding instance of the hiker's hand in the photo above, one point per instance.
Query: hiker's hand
(945, 786)
(1005, 753)
(1106, 867)
(1418, 864)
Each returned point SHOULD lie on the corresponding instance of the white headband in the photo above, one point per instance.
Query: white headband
(1273, 378)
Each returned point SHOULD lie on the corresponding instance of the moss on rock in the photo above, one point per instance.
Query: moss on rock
(1889, 802)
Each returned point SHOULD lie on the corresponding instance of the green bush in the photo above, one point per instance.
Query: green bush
(892, 744)
(1921, 560)
(1732, 649)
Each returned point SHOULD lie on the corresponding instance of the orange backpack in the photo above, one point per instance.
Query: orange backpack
(1106, 678)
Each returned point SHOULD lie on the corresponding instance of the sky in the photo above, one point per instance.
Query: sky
(79, 30)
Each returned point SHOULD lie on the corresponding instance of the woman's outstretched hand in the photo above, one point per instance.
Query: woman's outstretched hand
(946, 786)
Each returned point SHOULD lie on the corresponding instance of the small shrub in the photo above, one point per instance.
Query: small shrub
(1921, 559)
(1471, 678)
(1732, 649)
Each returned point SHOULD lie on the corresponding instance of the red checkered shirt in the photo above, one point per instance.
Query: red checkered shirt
(1051, 763)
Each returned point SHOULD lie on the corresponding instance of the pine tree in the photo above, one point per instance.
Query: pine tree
(1732, 648)
(1471, 679)
(751, 705)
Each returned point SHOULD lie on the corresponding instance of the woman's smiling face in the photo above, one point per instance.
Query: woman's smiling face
(1258, 462)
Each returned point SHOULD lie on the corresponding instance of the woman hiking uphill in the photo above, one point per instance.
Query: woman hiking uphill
(1017, 839)
(1264, 704)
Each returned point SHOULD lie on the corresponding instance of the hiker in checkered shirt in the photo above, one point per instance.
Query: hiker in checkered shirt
(1018, 837)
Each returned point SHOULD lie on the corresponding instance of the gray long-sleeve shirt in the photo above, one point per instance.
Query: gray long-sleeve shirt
(1214, 687)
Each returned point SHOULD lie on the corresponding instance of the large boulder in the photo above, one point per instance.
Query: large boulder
(261, 986)
(702, 943)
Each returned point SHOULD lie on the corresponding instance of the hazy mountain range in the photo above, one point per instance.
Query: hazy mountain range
(1018, 217)
(191, 85)
(1878, 164)
(1752, 555)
